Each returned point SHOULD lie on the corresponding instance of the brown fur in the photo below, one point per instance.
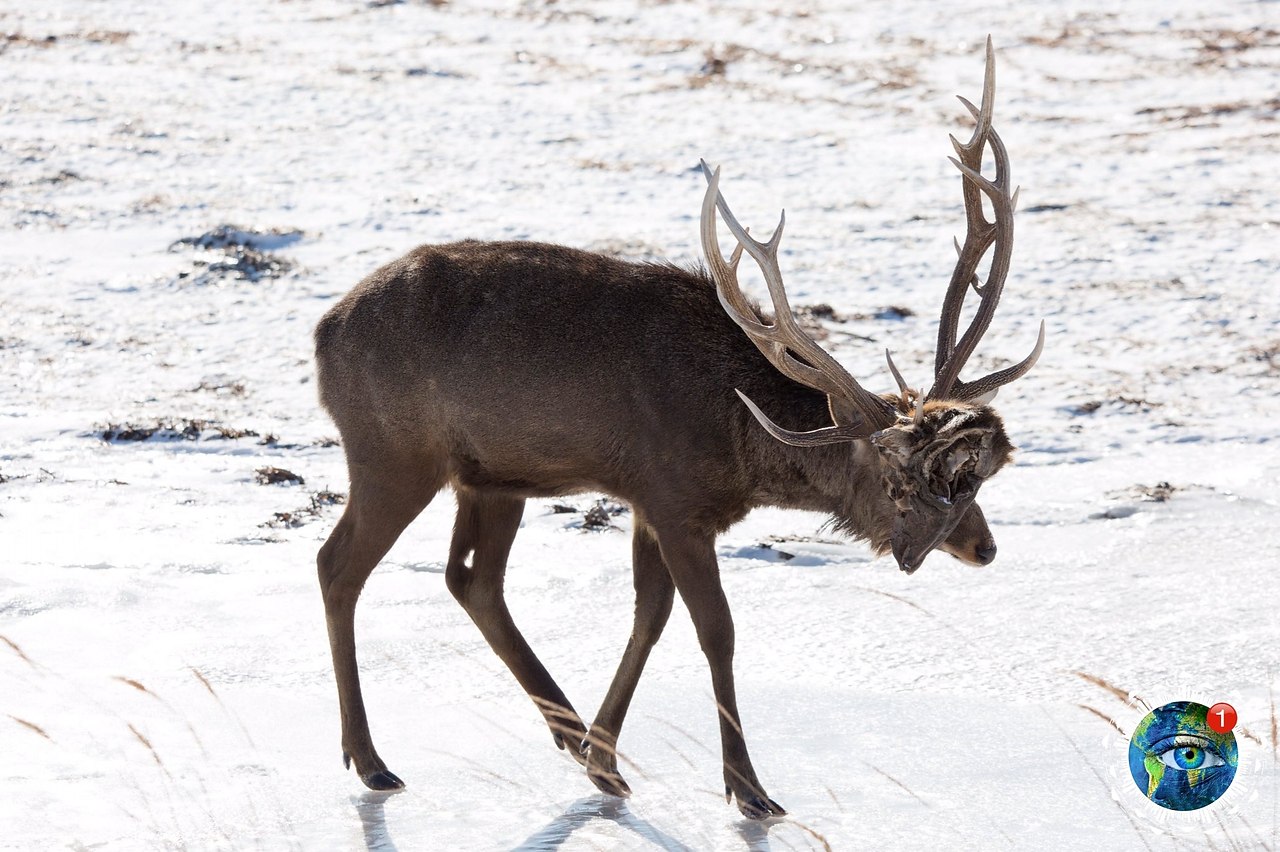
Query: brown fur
(510, 370)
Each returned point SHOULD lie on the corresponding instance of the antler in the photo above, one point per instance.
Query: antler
(979, 237)
(814, 367)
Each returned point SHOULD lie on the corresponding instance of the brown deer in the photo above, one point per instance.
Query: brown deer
(511, 370)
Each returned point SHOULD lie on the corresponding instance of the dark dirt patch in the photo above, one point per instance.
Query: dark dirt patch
(230, 252)
(1122, 402)
(178, 429)
(1262, 110)
(1217, 45)
(1161, 492)
(598, 516)
(1268, 354)
(107, 36)
(891, 313)
(24, 40)
(306, 514)
(273, 440)
(1131, 498)
(276, 475)
(221, 387)
(601, 515)
(64, 176)
(782, 554)
(234, 236)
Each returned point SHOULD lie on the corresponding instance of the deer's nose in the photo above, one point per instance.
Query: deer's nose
(985, 552)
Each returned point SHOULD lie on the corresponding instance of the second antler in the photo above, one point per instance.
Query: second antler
(980, 236)
(799, 357)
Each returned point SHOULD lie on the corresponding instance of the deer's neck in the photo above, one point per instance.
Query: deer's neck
(841, 479)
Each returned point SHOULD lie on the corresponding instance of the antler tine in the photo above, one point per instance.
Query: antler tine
(818, 369)
(825, 435)
(979, 238)
(735, 304)
(897, 376)
(985, 388)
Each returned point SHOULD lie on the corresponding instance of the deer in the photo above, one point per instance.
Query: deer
(515, 370)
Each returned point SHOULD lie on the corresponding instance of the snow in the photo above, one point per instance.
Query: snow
(164, 676)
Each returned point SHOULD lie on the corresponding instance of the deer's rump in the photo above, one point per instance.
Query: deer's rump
(538, 368)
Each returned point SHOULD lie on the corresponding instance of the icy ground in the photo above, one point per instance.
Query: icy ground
(164, 675)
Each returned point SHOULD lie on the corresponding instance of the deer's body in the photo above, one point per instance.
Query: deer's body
(461, 351)
(512, 370)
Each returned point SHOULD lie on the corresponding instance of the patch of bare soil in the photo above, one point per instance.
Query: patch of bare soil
(233, 253)
(276, 476)
(170, 429)
(306, 514)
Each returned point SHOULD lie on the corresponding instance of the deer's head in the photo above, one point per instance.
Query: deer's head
(932, 463)
(935, 449)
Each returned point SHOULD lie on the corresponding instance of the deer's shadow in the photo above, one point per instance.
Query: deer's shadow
(585, 810)
(373, 819)
(369, 807)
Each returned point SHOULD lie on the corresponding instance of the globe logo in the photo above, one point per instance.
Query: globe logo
(1179, 760)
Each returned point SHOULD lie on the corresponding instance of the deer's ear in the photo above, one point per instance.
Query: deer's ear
(843, 412)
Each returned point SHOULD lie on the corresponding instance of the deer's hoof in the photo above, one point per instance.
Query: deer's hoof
(576, 752)
(755, 806)
(609, 782)
(761, 807)
(602, 768)
(382, 780)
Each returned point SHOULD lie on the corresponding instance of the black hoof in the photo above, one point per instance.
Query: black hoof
(761, 808)
(609, 783)
(384, 780)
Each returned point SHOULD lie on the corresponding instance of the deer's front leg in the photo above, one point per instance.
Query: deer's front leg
(691, 559)
(654, 594)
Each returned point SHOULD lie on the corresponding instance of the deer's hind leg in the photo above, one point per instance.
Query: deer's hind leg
(486, 526)
(383, 500)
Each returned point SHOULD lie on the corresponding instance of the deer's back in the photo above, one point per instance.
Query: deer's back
(543, 369)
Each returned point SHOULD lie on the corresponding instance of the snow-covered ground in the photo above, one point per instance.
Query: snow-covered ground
(164, 675)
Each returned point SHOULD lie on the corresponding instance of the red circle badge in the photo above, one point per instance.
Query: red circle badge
(1222, 717)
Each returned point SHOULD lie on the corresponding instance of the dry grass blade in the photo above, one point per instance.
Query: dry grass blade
(1248, 734)
(128, 681)
(147, 743)
(14, 645)
(892, 596)
(682, 732)
(1130, 699)
(904, 787)
(728, 717)
(1104, 717)
(204, 681)
(826, 844)
(678, 753)
(32, 726)
(226, 710)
